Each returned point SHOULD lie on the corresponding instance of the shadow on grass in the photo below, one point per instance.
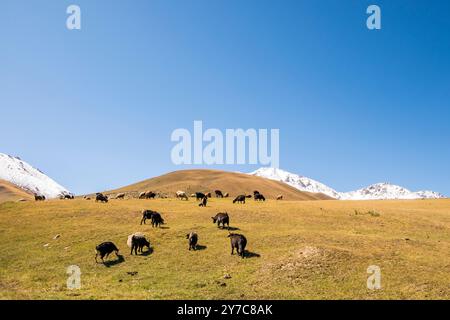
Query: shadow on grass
(111, 263)
(199, 247)
(233, 229)
(249, 254)
(145, 252)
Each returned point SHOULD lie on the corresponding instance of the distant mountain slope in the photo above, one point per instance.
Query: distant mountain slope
(24, 176)
(9, 192)
(379, 191)
(210, 180)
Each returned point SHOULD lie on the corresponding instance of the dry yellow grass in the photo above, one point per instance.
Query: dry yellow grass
(307, 250)
(9, 192)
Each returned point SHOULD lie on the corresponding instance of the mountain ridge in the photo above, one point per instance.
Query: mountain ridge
(377, 191)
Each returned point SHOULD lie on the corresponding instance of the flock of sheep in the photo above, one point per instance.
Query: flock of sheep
(138, 241)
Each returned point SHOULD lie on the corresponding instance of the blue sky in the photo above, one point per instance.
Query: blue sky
(95, 108)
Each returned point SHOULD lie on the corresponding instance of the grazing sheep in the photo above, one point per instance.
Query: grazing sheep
(138, 242)
(255, 192)
(120, 196)
(157, 220)
(218, 193)
(226, 195)
(39, 197)
(101, 197)
(104, 249)
(67, 196)
(147, 195)
(239, 199)
(209, 195)
(238, 242)
(259, 197)
(204, 202)
(222, 218)
(193, 239)
(142, 195)
(199, 195)
(182, 195)
(150, 195)
(147, 214)
(280, 197)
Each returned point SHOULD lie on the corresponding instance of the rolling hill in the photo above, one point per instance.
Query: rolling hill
(9, 192)
(209, 180)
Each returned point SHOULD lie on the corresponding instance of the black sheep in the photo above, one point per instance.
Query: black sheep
(204, 202)
(218, 193)
(199, 195)
(193, 239)
(138, 242)
(39, 198)
(101, 197)
(157, 220)
(221, 218)
(259, 197)
(147, 214)
(239, 199)
(104, 249)
(238, 242)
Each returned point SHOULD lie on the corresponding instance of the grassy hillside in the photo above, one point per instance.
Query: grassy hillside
(9, 192)
(209, 180)
(298, 250)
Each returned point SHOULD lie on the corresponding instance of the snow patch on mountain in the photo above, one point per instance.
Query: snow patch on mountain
(378, 191)
(299, 182)
(384, 191)
(24, 176)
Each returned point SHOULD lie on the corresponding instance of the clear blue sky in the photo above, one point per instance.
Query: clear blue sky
(94, 108)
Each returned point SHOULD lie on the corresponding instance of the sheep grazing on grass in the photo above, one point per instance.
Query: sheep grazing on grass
(120, 196)
(67, 196)
(221, 218)
(204, 202)
(137, 241)
(199, 195)
(105, 249)
(239, 199)
(259, 197)
(209, 195)
(39, 197)
(101, 197)
(147, 195)
(226, 195)
(147, 214)
(157, 220)
(218, 193)
(238, 242)
(280, 197)
(193, 239)
(182, 195)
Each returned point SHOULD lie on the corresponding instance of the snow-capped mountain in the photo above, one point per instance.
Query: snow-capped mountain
(379, 191)
(383, 191)
(24, 176)
(299, 182)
